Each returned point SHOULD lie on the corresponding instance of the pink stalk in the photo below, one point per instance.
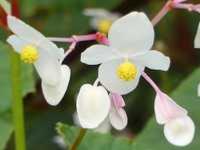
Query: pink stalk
(76, 38)
(71, 48)
(151, 82)
(167, 7)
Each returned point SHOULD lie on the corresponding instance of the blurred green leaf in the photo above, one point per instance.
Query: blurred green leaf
(5, 91)
(92, 140)
(45, 14)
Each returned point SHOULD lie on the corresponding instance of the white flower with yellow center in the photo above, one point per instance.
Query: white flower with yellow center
(101, 19)
(122, 62)
(35, 49)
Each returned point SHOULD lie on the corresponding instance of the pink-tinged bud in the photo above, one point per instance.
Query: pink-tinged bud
(166, 109)
(118, 117)
(179, 128)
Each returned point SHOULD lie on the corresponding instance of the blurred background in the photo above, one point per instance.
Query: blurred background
(63, 18)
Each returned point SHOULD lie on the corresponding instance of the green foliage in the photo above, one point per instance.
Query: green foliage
(5, 91)
(186, 96)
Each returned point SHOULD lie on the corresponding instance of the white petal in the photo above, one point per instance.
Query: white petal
(197, 38)
(198, 90)
(108, 77)
(132, 33)
(166, 109)
(180, 131)
(93, 105)
(54, 94)
(48, 67)
(97, 54)
(29, 34)
(118, 118)
(154, 60)
(96, 12)
(104, 127)
(16, 43)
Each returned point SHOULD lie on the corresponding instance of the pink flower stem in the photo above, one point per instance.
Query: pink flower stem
(151, 82)
(71, 48)
(76, 38)
(167, 7)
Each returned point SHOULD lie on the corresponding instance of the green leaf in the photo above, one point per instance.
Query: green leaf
(5, 91)
(91, 140)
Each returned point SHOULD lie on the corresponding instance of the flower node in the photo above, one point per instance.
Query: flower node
(29, 54)
(126, 71)
(104, 26)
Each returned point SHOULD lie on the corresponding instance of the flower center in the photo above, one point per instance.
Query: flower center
(127, 71)
(29, 54)
(104, 26)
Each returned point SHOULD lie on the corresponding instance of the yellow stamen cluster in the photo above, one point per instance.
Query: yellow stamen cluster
(104, 26)
(126, 71)
(29, 54)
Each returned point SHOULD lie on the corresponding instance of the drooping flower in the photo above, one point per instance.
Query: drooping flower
(122, 62)
(118, 117)
(179, 128)
(34, 48)
(93, 105)
(101, 19)
(108, 110)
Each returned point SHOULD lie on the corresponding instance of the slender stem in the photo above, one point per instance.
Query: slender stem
(17, 102)
(167, 7)
(71, 48)
(78, 139)
(151, 82)
(76, 38)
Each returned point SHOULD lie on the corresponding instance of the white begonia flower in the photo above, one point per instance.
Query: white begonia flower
(123, 61)
(101, 19)
(93, 105)
(35, 49)
(179, 128)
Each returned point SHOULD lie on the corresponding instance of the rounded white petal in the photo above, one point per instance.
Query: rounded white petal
(48, 67)
(180, 131)
(97, 54)
(93, 105)
(29, 34)
(154, 60)
(108, 77)
(118, 118)
(132, 33)
(54, 94)
(16, 43)
(166, 109)
(197, 38)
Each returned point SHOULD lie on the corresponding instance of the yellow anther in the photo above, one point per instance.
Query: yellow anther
(104, 26)
(126, 71)
(29, 54)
